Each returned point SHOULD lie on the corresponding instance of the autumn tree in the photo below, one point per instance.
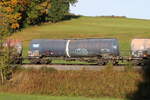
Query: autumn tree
(21, 13)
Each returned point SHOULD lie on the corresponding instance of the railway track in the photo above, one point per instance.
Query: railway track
(76, 67)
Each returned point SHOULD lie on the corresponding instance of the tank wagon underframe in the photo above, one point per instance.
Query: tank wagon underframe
(89, 50)
(98, 61)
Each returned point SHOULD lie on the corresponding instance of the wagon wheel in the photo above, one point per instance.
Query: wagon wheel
(136, 62)
(114, 62)
(45, 61)
(18, 61)
(102, 62)
(35, 60)
(15, 60)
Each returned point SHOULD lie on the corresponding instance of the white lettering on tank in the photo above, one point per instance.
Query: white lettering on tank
(36, 45)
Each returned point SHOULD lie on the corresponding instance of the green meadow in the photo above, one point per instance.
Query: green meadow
(124, 29)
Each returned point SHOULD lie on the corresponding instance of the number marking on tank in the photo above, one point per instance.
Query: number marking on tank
(80, 51)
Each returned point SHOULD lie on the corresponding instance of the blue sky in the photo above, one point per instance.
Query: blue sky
(130, 8)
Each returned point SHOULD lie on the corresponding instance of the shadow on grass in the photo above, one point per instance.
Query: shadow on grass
(42, 20)
(143, 92)
(69, 17)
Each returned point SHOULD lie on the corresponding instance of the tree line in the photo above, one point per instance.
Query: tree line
(21, 13)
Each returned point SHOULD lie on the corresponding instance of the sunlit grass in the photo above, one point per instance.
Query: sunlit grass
(89, 27)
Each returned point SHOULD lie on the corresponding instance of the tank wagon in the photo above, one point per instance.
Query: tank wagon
(140, 49)
(89, 50)
(15, 50)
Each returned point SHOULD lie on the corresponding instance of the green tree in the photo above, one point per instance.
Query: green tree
(30, 12)
(58, 10)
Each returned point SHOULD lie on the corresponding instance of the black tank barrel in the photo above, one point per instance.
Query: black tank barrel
(74, 47)
(46, 47)
(93, 47)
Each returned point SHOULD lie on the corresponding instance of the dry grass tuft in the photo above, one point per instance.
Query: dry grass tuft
(107, 82)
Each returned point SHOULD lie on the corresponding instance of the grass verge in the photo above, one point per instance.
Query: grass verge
(4, 96)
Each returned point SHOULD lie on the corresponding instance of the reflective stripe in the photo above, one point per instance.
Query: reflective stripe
(67, 48)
